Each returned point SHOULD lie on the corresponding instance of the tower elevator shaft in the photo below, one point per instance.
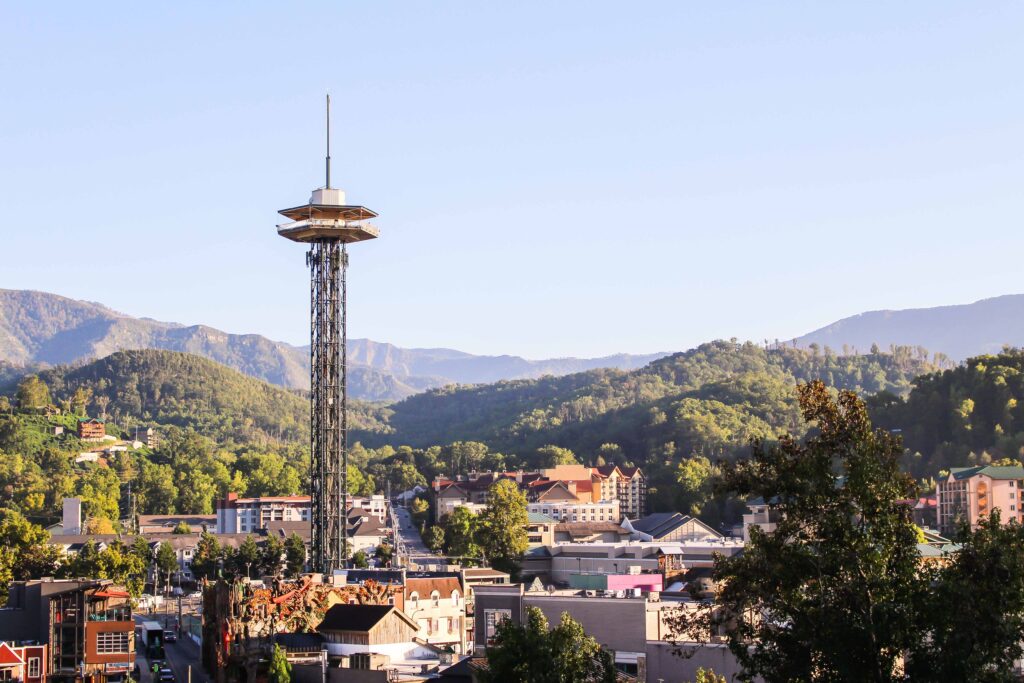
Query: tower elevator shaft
(328, 262)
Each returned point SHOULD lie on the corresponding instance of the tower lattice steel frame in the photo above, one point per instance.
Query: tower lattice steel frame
(328, 224)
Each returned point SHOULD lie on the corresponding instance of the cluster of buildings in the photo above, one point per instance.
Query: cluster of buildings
(368, 527)
(359, 625)
(620, 575)
(566, 493)
(66, 630)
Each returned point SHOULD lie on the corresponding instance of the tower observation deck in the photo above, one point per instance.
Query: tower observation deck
(328, 224)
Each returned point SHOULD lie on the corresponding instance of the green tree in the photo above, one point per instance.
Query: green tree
(419, 510)
(207, 557)
(295, 555)
(280, 670)
(33, 556)
(33, 393)
(461, 533)
(839, 574)
(155, 489)
(272, 556)
(166, 561)
(533, 653)
(978, 638)
(80, 399)
(503, 526)
(384, 553)
(359, 560)
(553, 456)
(360, 484)
(435, 538)
(182, 528)
(246, 557)
(405, 476)
(693, 477)
(708, 676)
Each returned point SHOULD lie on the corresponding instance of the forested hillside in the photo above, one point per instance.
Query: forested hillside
(676, 417)
(587, 409)
(171, 388)
(971, 414)
(219, 431)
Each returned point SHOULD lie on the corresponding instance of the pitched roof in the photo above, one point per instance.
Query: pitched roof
(171, 520)
(369, 527)
(424, 586)
(659, 524)
(359, 617)
(8, 657)
(991, 471)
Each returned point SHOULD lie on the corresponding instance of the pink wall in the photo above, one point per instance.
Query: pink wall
(648, 582)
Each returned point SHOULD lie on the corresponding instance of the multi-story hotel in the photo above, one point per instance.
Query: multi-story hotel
(247, 515)
(568, 493)
(578, 511)
(970, 493)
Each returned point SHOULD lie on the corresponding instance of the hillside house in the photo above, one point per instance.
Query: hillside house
(91, 429)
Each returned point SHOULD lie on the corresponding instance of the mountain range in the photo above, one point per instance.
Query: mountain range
(959, 332)
(39, 329)
(42, 329)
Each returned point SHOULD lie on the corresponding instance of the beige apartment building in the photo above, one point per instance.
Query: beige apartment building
(970, 493)
(438, 606)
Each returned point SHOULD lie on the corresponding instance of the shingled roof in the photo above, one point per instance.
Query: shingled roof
(359, 617)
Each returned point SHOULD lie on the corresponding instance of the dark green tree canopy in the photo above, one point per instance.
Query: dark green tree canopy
(535, 653)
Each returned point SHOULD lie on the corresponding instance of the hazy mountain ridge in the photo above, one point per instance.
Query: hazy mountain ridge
(959, 331)
(42, 328)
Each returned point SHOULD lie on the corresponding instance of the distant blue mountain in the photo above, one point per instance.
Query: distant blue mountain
(958, 331)
(40, 328)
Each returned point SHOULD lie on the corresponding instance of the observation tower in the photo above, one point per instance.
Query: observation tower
(328, 224)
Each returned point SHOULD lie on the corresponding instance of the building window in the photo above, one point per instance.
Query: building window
(414, 599)
(1013, 508)
(112, 643)
(435, 599)
(33, 667)
(455, 598)
(493, 617)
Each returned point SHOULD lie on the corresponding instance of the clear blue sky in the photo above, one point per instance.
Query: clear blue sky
(571, 178)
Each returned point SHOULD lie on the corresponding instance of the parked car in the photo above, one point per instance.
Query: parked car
(170, 637)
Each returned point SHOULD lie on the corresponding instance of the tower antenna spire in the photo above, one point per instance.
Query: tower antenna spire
(328, 186)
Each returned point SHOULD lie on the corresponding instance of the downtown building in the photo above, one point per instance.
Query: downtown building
(85, 625)
(968, 494)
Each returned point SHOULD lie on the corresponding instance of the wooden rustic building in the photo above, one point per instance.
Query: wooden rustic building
(91, 428)
(350, 630)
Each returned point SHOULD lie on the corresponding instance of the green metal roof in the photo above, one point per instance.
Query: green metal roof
(1010, 472)
(538, 518)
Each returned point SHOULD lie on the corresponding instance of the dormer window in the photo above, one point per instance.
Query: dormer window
(414, 599)
(455, 598)
(435, 599)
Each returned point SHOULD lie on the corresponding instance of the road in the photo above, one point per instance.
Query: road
(181, 655)
(409, 541)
